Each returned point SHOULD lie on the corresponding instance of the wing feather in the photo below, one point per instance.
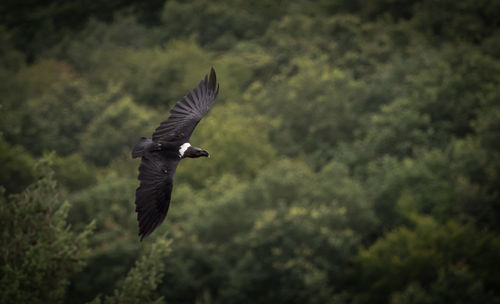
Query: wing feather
(188, 111)
(153, 194)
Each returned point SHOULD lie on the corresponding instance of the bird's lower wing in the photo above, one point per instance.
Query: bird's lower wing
(152, 198)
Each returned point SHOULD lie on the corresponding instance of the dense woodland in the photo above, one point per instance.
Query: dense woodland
(355, 151)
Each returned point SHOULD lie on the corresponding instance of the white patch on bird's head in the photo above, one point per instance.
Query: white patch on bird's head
(183, 149)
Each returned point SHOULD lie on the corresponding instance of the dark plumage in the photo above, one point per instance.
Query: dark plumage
(161, 154)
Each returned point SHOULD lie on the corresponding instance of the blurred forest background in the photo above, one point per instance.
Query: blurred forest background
(355, 151)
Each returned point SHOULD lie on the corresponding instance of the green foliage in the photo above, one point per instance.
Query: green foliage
(11, 60)
(39, 251)
(73, 172)
(16, 164)
(488, 128)
(229, 20)
(156, 76)
(430, 255)
(354, 149)
(57, 109)
(450, 20)
(454, 285)
(293, 255)
(349, 196)
(115, 130)
(110, 203)
(328, 113)
(140, 284)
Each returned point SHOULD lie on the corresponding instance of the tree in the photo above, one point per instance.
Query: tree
(429, 254)
(110, 203)
(115, 130)
(17, 167)
(457, 284)
(38, 250)
(141, 282)
(55, 108)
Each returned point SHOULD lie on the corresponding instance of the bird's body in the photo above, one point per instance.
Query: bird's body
(161, 154)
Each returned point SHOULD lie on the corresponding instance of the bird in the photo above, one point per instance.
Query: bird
(161, 153)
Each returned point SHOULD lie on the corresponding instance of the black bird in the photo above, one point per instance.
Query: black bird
(161, 154)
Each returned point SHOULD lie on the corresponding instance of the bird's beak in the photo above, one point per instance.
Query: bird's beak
(204, 153)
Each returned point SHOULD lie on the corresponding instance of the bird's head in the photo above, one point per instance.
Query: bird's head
(195, 152)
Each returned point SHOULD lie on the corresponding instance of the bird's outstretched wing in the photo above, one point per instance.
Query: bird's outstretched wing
(152, 198)
(188, 111)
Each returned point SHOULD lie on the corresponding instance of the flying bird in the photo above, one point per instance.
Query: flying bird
(162, 153)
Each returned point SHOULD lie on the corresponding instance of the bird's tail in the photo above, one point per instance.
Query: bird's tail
(141, 147)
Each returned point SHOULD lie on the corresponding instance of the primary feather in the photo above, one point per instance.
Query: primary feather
(188, 111)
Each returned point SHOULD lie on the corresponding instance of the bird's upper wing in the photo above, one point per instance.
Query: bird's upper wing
(188, 111)
(152, 198)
